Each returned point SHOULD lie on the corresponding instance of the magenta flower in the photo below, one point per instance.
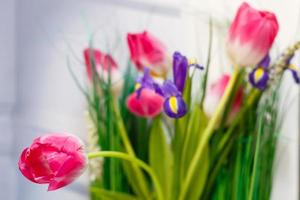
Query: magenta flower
(104, 66)
(102, 62)
(259, 76)
(251, 35)
(145, 104)
(215, 93)
(170, 92)
(147, 51)
(54, 159)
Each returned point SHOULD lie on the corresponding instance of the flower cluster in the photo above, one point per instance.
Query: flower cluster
(58, 159)
(150, 97)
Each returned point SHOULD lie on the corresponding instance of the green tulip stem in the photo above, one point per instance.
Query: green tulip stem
(134, 160)
(208, 132)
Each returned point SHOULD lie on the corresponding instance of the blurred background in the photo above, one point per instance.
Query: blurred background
(38, 94)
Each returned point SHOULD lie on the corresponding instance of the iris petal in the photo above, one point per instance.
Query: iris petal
(180, 70)
(295, 73)
(169, 89)
(175, 107)
(265, 62)
(259, 78)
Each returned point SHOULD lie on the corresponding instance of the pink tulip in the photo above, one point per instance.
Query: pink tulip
(147, 51)
(148, 104)
(251, 35)
(54, 159)
(103, 63)
(215, 93)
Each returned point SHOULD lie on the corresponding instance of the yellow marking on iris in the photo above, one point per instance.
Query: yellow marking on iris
(293, 67)
(258, 74)
(137, 86)
(192, 61)
(173, 104)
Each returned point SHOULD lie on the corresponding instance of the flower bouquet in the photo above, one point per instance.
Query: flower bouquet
(158, 132)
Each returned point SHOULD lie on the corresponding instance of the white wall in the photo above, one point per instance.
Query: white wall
(46, 96)
(7, 98)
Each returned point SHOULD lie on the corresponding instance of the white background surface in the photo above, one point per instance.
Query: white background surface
(38, 95)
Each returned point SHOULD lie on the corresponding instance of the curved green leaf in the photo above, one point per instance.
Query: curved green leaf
(160, 156)
(196, 126)
(111, 195)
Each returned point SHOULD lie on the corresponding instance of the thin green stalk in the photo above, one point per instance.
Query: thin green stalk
(216, 168)
(122, 131)
(134, 160)
(128, 147)
(208, 132)
(256, 157)
(204, 83)
(254, 94)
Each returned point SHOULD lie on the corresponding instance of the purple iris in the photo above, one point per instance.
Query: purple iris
(146, 81)
(295, 73)
(180, 70)
(174, 105)
(293, 69)
(259, 76)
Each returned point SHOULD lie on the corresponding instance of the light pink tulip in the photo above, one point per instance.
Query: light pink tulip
(251, 35)
(148, 104)
(54, 159)
(215, 93)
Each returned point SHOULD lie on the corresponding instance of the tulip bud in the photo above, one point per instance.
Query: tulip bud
(251, 35)
(55, 159)
(104, 65)
(147, 51)
(214, 95)
(145, 104)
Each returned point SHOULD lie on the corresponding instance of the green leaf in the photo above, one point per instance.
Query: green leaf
(138, 187)
(196, 126)
(160, 156)
(111, 195)
(178, 140)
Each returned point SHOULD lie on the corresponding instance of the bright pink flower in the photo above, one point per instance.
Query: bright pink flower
(103, 62)
(54, 159)
(215, 93)
(147, 51)
(148, 104)
(251, 35)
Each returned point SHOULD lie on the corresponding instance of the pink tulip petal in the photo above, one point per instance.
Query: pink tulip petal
(147, 51)
(215, 93)
(24, 168)
(149, 104)
(103, 62)
(72, 167)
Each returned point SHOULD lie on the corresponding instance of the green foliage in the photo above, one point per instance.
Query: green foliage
(196, 157)
(111, 195)
(160, 156)
(196, 125)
